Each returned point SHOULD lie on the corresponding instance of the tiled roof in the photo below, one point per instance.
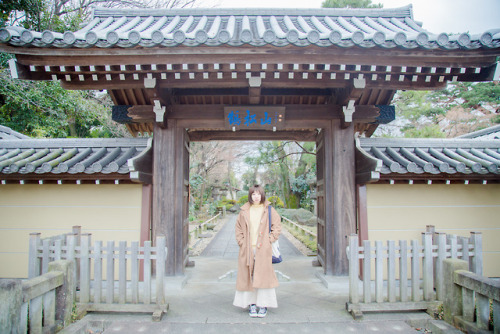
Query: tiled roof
(72, 156)
(493, 132)
(434, 156)
(7, 133)
(367, 28)
(441, 157)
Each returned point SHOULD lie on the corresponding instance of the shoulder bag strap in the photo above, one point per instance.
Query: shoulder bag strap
(269, 208)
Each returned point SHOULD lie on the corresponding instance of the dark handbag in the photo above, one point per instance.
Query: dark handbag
(275, 245)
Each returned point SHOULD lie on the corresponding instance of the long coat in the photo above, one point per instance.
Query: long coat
(264, 276)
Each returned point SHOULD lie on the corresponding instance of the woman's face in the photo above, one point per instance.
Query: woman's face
(256, 197)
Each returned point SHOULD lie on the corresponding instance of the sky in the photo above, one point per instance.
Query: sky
(437, 16)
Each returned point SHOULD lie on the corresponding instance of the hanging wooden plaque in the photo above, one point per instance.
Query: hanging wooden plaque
(254, 118)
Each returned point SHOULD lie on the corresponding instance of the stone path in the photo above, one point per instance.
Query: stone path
(224, 243)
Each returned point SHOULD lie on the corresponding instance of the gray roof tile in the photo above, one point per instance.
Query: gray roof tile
(434, 156)
(458, 157)
(7, 133)
(125, 28)
(72, 156)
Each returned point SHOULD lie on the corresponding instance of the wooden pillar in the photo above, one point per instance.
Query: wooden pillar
(344, 194)
(169, 160)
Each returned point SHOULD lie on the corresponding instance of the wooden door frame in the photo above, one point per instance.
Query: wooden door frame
(170, 207)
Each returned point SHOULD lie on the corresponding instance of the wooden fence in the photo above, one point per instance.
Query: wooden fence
(203, 226)
(424, 262)
(117, 291)
(299, 228)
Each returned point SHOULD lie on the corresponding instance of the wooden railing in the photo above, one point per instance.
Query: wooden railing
(203, 226)
(300, 229)
(414, 292)
(42, 304)
(97, 292)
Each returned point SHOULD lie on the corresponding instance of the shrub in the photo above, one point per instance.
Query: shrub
(228, 203)
(276, 202)
(243, 200)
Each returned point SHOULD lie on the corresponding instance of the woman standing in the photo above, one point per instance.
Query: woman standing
(256, 280)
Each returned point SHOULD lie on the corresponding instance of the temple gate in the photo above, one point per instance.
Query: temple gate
(322, 75)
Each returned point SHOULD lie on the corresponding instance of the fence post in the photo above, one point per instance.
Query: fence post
(391, 271)
(403, 270)
(134, 254)
(415, 271)
(477, 259)
(427, 273)
(110, 272)
(45, 255)
(122, 272)
(85, 268)
(379, 278)
(33, 260)
(353, 269)
(441, 252)
(65, 294)
(452, 301)
(70, 255)
(453, 245)
(367, 275)
(161, 258)
(11, 296)
(97, 272)
(147, 272)
(77, 232)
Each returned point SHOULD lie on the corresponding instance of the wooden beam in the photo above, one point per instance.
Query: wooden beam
(204, 112)
(309, 135)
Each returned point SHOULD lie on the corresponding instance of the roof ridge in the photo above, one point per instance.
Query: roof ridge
(400, 12)
(72, 142)
(428, 142)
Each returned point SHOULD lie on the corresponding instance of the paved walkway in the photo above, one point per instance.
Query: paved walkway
(204, 305)
(224, 243)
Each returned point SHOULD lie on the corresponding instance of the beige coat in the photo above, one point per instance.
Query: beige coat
(264, 276)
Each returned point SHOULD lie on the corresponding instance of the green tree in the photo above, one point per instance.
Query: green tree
(287, 169)
(44, 109)
(457, 109)
(27, 10)
(350, 4)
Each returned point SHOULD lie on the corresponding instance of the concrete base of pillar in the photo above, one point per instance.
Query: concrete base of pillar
(334, 283)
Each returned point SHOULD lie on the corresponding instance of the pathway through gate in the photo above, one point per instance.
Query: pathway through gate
(224, 243)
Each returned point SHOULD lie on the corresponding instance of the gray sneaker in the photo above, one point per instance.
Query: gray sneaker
(253, 311)
(262, 312)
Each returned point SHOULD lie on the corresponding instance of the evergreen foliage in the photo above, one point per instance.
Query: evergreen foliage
(43, 109)
(349, 4)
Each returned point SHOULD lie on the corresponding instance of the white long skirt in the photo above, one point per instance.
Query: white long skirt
(259, 297)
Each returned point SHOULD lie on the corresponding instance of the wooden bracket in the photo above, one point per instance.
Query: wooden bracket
(254, 91)
(348, 111)
(149, 81)
(159, 111)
